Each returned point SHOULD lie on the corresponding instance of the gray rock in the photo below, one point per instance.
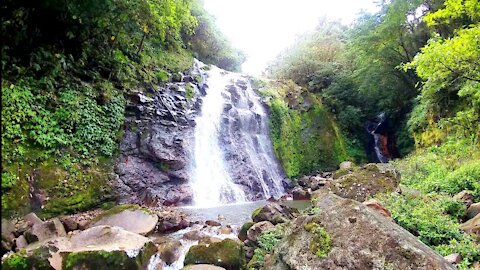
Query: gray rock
(453, 258)
(358, 239)
(257, 229)
(20, 242)
(472, 226)
(139, 221)
(275, 213)
(170, 251)
(299, 193)
(32, 218)
(45, 230)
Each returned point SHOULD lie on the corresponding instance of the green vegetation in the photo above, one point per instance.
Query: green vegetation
(266, 243)
(66, 67)
(320, 244)
(430, 177)
(305, 137)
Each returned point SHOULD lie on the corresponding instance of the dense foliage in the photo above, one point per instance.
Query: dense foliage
(66, 66)
(304, 136)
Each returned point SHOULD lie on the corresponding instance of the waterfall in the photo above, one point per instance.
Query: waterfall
(379, 145)
(233, 160)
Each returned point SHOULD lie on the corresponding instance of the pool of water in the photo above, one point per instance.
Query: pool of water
(233, 215)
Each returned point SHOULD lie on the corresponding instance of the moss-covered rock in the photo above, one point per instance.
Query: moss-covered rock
(228, 254)
(360, 183)
(242, 234)
(118, 259)
(36, 259)
(320, 244)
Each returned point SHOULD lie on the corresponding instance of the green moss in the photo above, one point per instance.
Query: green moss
(189, 91)
(228, 254)
(242, 234)
(305, 139)
(320, 244)
(256, 212)
(113, 259)
(266, 243)
(37, 259)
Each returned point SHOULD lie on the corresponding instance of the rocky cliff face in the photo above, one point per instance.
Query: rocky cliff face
(154, 153)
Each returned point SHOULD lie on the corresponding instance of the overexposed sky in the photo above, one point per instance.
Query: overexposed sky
(263, 28)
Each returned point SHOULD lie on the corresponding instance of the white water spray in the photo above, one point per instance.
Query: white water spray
(212, 185)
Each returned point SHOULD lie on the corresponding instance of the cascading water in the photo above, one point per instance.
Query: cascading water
(233, 160)
(212, 184)
(378, 144)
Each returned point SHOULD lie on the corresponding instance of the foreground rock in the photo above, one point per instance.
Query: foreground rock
(129, 217)
(361, 183)
(349, 235)
(203, 267)
(472, 226)
(227, 254)
(93, 248)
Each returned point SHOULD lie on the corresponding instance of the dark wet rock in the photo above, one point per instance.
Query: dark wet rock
(69, 223)
(227, 254)
(129, 217)
(213, 223)
(152, 165)
(170, 251)
(329, 240)
(313, 182)
(194, 235)
(472, 211)
(169, 221)
(258, 229)
(274, 212)
(365, 182)
(472, 226)
(300, 193)
(45, 230)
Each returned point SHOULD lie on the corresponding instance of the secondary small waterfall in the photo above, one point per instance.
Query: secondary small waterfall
(233, 160)
(380, 145)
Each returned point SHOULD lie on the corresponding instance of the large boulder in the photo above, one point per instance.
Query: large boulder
(242, 234)
(364, 182)
(227, 254)
(129, 217)
(45, 230)
(346, 234)
(275, 213)
(93, 248)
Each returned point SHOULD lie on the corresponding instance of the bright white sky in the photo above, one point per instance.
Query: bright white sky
(263, 28)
